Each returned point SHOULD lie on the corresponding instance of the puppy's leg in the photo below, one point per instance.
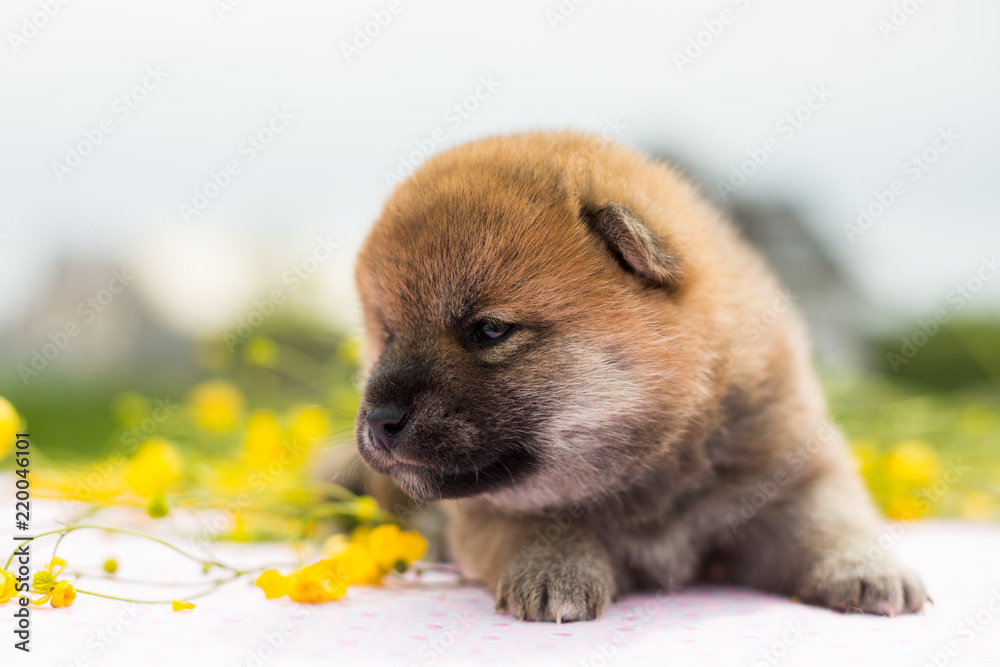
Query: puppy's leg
(820, 543)
(540, 570)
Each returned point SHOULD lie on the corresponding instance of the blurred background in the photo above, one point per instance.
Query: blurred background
(184, 184)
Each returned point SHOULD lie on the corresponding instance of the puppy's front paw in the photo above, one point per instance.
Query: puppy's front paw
(885, 587)
(558, 590)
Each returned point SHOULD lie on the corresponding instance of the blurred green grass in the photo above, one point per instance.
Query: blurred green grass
(940, 409)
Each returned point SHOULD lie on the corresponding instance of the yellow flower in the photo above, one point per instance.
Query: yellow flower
(217, 405)
(365, 508)
(360, 535)
(46, 583)
(157, 507)
(904, 507)
(308, 423)
(8, 586)
(45, 579)
(393, 548)
(63, 594)
(866, 456)
(264, 440)
(977, 505)
(273, 584)
(10, 424)
(180, 605)
(354, 560)
(334, 544)
(98, 482)
(319, 582)
(322, 581)
(154, 466)
(912, 462)
(261, 350)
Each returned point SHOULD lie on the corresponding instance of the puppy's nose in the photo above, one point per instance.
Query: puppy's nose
(386, 422)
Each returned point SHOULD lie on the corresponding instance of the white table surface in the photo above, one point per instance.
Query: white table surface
(445, 624)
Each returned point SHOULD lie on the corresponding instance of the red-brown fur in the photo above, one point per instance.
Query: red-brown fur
(639, 390)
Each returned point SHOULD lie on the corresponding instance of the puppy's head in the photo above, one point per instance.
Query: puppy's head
(515, 334)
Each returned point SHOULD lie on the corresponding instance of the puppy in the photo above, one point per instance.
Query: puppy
(565, 340)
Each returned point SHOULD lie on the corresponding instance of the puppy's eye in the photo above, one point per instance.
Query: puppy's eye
(489, 331)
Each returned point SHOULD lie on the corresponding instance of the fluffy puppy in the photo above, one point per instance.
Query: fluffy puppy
(562, 334)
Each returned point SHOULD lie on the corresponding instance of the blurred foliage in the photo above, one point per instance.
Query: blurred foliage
(926, 427)
(926, 438)
(955, 356)
(244, 468)
(244, 441)
(921, 453)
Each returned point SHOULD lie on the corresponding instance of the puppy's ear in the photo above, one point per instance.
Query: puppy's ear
(634, 245)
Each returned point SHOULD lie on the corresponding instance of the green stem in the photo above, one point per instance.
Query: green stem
(139, 582)
(55, 549)
(69, 529)
(197, 595)
(337, 491)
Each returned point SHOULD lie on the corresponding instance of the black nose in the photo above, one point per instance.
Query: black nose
(385, 423)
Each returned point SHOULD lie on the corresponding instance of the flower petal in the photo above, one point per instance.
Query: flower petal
(63, 594)
(273, 584)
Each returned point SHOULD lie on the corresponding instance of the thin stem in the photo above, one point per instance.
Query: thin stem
(27, 542)
(337, 491)
(197, 595)
(69, 529)
(108, 577)
(55, 549)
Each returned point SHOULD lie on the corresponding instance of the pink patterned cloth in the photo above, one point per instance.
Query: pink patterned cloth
(441, 623)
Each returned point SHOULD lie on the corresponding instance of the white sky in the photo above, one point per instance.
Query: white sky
(325, 172)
